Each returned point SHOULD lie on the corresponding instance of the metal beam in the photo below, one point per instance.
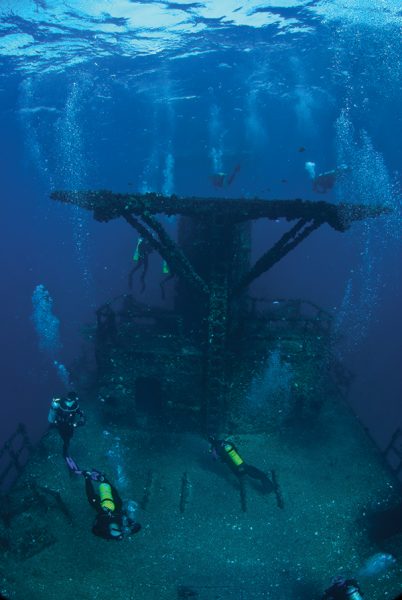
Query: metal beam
(288, 241)
(107, 205)
(167, 248)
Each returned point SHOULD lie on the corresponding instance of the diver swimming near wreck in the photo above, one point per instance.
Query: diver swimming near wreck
(141, 256)
(227, 452)
(114, 519)
(220, 180)
(324, 182)
(66, 415)
(343, 589)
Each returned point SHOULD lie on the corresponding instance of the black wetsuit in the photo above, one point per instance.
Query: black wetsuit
(164, 281)
(107, 519)
(343, 589)
(66, 433)
(326, 181)
(323, 183)
(66, 422)
(229, 454)
(145, 250)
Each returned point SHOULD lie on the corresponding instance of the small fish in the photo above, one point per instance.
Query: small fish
(376, 564)
(284, 180)
(301, 149)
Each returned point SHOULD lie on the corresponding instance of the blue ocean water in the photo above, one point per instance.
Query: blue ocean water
(163, 96)
(223, 98)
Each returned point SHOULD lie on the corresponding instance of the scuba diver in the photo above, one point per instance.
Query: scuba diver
(141, 257)
(219, 180)
(114, 520)
(65, 414)
(227, 452)
(343, 589)
(323, 182)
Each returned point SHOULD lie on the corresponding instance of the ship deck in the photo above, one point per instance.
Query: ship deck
(196, 541)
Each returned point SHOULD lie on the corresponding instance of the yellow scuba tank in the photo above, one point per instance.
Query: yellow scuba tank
(165, 268)
(234, 456)
(106, 497)
(136, 256)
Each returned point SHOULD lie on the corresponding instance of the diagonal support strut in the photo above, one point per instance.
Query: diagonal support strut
(288, 241)
(167, 248)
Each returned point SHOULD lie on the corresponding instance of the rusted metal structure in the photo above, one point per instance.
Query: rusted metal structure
(213, 320)
(14, 454)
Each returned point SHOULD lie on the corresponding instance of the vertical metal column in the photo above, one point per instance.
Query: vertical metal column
(220, 237)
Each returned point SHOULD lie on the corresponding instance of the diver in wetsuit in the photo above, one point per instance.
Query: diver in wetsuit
(141, 258)
(343, 589)
(227, 452)
(66, 415)
(220, 179)
(324, 182)
(112, 521)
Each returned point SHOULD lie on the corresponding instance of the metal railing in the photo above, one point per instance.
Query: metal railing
(13, 457)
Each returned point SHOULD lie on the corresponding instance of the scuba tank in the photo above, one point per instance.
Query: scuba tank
(106, 497)
(136, 256)
(54, 407)
(233, 455)
(165, 268)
